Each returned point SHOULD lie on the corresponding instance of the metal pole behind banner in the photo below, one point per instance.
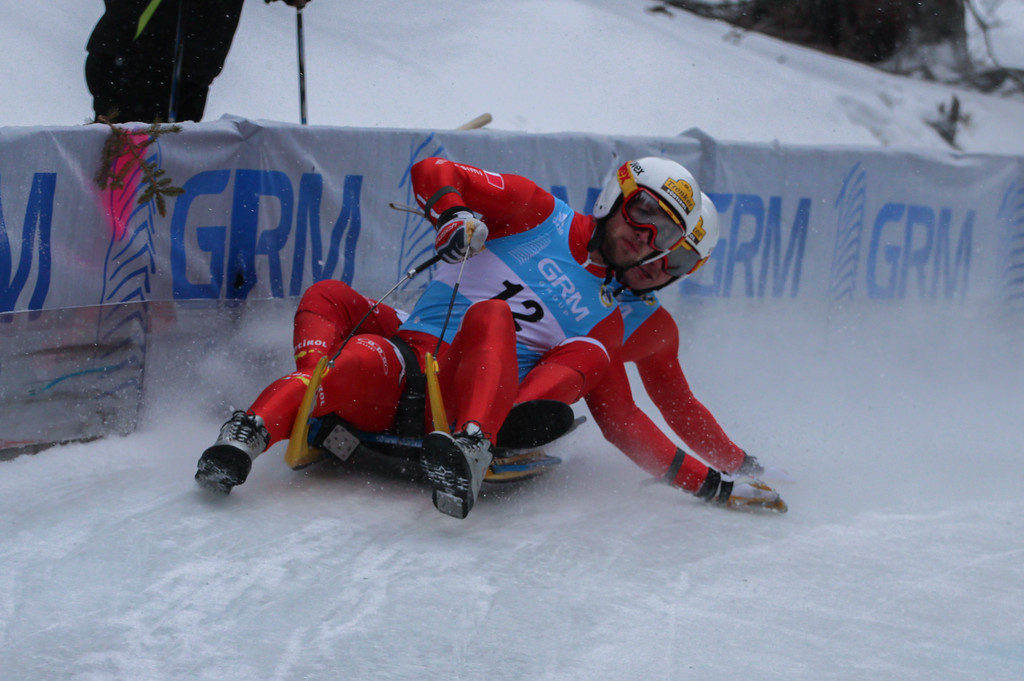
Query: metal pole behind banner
(300, 37)
(172, 107)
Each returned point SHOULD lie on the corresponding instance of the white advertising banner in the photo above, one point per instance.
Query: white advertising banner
(257, 211)
(267, 209)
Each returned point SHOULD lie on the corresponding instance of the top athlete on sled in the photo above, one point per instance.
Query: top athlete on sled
(525, 314)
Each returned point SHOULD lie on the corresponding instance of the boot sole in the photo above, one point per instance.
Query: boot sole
(222, 467)
(447, 471)
(450, 505)
(213, 478)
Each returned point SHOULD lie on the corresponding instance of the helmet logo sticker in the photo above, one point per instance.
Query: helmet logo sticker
(698, 232)
(682, 191)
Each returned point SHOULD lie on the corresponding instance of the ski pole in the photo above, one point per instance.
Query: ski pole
(300, 38)
(437, 410)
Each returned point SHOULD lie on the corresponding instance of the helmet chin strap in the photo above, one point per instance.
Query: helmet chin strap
(640, 263)
(596, 242)
(652, 289)
(657, 255)
(641, 291)
(611, 273)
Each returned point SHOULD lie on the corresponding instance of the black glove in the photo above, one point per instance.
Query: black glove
(750, 467)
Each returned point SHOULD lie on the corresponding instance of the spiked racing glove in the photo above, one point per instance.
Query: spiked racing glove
(745, 495)
(459, 232)
(752, 468)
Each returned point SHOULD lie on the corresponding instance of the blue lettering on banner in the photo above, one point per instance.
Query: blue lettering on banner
(348, 224)
(250, 187)
(38, 218)
(210, 238)
(910, 248)
(754, 249)
(233, 252)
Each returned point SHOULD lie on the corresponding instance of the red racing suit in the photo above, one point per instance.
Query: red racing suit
(330, 309)
(368, 378)
(504, 323)
(327, 313)
(653, 344)
(536, 262)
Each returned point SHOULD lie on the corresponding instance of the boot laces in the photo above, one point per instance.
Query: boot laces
(473, 437)
(473, 432)
(242, 428)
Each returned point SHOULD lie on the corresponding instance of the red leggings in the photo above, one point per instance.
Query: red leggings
(328, 311)
(566, 372)
(478, 374)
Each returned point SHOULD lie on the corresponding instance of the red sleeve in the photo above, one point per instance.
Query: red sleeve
(609, 332)
(622, 422)
(508, 204)
(628, 428)
(625, 426)
(655, 349)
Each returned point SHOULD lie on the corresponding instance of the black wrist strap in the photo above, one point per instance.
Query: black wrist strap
(438, 195)
(449, 214)
(711, 485)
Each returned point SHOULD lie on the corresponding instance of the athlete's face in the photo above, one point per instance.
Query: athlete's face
(624, 244)
(646, 276)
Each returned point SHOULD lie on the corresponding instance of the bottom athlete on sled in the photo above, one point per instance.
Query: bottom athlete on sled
(510, 348)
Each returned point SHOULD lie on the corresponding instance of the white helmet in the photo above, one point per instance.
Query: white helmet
(646, 184)
(697, 244)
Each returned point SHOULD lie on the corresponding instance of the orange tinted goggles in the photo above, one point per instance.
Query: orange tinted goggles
(682, 261)
(643, 210)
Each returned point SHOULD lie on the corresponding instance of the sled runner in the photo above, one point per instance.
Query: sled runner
(518, 454)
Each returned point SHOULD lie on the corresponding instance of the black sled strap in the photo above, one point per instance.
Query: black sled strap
(412, 406)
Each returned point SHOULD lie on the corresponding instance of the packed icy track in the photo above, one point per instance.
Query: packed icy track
(899, 557)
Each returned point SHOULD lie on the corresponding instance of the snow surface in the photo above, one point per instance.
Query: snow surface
(600, 66)
(901, 556)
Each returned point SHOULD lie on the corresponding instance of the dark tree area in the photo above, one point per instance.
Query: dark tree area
(925, 38)
(864, 30)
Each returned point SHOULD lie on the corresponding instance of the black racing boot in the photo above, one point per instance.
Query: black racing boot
(228, 461)
(455, 465)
